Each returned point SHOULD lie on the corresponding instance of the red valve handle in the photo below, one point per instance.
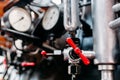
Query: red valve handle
(44, 53)
(77, 51)
(27, 64)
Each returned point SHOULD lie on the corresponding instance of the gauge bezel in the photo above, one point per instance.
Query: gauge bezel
(9, 25)
(46, 13)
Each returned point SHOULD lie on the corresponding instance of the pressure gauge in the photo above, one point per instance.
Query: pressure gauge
(51, 23)
(50, 18)
(19, 19)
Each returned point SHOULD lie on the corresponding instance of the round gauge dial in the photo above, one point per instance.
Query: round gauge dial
(19, 19)
(50, 18)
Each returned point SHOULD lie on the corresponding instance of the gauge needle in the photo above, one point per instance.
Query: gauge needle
(19, 20)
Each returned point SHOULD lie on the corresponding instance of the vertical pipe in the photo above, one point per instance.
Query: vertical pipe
(71, 14)
(104, 37)
(106, 75)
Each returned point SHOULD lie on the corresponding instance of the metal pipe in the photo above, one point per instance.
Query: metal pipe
(106, 75)
(104, 36)
(71, 14)
(106, 71)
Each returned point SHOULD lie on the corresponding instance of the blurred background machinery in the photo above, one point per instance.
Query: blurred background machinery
(59, 39)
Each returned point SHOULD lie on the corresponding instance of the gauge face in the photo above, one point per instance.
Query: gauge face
(19, 19)
(50, 18)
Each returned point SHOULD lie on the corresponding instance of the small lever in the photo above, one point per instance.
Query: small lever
(78, 51)
(27, 64)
